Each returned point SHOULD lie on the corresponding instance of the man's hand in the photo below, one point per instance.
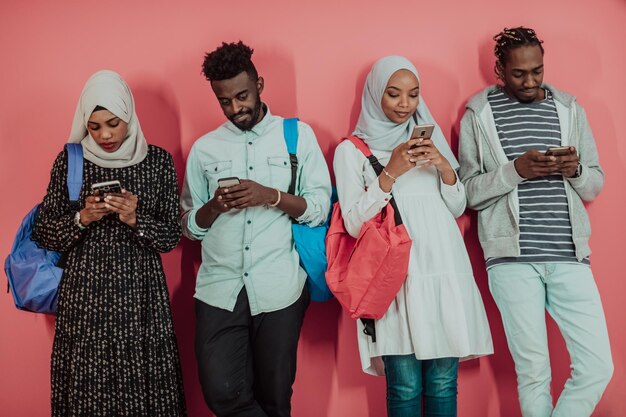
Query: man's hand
(220, 203)
(220, 200)
(534, 164)
(568, 164)
(249, 194)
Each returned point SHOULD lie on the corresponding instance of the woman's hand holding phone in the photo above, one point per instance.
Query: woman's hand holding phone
(95, 209)
(125, 205)
(427, 152)
(400, 161)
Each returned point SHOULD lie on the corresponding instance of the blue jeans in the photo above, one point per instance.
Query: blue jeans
(409, 378)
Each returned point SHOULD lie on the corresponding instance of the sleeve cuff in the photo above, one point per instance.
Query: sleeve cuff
(377, 194)
(451, 189)
(190, 225)
(580, 180)
(308, 214)
(141, 227)
(511, 177)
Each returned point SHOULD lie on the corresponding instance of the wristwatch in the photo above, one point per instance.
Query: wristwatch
(77, 221)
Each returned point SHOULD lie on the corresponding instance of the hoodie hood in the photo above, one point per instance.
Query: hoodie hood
(477, 102)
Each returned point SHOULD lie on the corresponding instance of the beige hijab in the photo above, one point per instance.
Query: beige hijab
(107, 89)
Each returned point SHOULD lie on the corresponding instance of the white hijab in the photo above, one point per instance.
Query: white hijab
(376, 129)
(107, 89)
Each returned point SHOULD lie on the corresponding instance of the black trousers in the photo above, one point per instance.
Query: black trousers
(247, 364)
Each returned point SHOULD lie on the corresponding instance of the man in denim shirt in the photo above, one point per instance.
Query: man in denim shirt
(250, 290)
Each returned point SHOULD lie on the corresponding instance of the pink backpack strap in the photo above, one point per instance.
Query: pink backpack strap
(378, 168)
(360, 144)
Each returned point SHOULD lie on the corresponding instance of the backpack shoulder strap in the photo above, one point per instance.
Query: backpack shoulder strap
(290, 132)
(362, 146)
(74, 171)
(378, 168)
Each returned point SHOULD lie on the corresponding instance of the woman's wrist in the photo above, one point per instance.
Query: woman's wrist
(385, 182)
(448, 175)
(131, 221)
(83, 218)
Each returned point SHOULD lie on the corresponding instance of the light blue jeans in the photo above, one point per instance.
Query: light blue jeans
(408, 379)
(523, 291)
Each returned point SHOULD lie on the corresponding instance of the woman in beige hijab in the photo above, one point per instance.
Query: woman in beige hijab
(114, 349)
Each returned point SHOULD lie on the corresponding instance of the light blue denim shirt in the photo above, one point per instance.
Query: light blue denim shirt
(253, 246)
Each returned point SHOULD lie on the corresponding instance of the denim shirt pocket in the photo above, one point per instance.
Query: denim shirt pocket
(280, 172)
(216, 170)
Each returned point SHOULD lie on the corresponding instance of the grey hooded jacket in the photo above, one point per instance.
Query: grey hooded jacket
(491, 180)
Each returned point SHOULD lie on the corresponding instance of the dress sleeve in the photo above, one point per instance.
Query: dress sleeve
(160, 230)
(54, 226)
(453, 195)
(359, 201)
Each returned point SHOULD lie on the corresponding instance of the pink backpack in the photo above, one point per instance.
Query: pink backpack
(366, 273)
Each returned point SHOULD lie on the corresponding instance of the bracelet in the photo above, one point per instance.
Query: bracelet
(277, 201)
(389, 175)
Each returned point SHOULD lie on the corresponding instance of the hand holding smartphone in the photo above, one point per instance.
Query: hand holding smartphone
(559, 151)
(422, 132)
(101, 189)
(228, 182)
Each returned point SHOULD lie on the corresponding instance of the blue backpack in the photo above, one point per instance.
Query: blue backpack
(32, 271)
(310, 241)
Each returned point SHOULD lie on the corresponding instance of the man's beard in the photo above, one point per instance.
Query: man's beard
(253, 120)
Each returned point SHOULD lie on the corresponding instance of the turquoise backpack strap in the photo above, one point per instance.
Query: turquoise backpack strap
(74, 171)
(290, 131)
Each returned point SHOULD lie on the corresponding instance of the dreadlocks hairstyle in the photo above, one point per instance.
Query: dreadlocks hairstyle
(229, 60)
(511, 39)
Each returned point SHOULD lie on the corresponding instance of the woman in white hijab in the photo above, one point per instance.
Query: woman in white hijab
(114, 349)
(437, 318)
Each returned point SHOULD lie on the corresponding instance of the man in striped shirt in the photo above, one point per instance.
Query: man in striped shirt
(533, 226)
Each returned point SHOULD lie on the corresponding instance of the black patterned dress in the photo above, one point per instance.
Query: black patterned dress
(115, 351)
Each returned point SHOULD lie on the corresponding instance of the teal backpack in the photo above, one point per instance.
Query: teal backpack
(310, 242)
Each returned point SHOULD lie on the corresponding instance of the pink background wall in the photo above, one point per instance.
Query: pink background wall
(314, 58)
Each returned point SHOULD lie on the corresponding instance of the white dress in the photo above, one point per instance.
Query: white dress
(438, 312)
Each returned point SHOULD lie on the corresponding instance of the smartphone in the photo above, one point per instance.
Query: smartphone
(422, 132)
(107, 187)
(228, 182)
(559, 151)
